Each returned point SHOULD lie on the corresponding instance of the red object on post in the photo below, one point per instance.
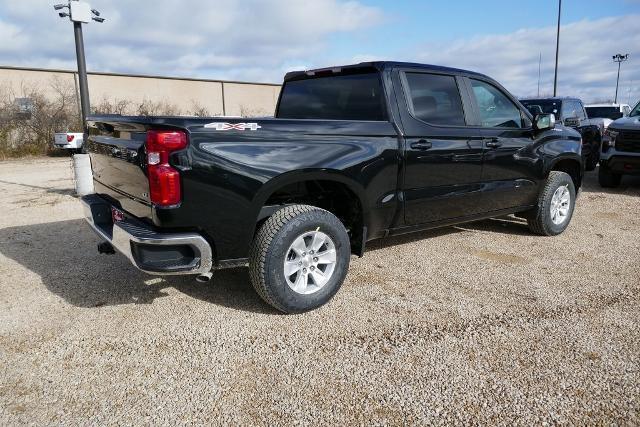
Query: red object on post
(164, 180)
(70, 138)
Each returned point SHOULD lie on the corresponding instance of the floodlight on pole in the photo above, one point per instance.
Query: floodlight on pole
(80, 13)
(619, 58)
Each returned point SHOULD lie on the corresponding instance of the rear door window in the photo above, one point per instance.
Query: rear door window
(337, 97)
(435, 99)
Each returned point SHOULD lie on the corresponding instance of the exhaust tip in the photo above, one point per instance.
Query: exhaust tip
(203, 278)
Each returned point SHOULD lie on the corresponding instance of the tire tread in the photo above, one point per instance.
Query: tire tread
(260, 248)
(539, 218)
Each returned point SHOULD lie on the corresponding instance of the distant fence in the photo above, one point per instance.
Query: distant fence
(130, 91)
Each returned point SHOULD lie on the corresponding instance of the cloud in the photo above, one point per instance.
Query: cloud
(260, 40)
(249, 39)
(585, 68)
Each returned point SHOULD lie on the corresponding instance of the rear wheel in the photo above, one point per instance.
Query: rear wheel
(555, 205)
(608, 179)
(299, 258)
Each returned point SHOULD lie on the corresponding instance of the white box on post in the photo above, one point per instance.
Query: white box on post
(80, 11)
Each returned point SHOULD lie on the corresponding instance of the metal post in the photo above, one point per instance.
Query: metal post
(615, 100)
(224, 104)
(82, 73)
(619, 58)
(555, 77)
(539, 68)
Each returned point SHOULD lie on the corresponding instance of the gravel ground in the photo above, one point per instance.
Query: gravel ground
(482, 323)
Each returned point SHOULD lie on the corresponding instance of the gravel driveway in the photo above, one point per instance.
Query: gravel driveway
(482, 323)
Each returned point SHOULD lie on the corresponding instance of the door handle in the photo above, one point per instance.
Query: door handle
(493, 143)
(423, 144)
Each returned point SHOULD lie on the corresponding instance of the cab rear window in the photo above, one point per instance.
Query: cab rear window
(337, 97)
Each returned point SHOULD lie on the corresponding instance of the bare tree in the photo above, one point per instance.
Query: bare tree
(30, 117)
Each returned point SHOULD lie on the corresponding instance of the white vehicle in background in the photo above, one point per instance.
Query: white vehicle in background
(68, 140)
(607, 112)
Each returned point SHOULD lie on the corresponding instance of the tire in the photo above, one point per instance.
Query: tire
(542, 219)
(608, 179)
(594, 155)
(283, 237)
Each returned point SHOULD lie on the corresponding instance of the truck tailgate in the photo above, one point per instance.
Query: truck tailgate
(119, 166)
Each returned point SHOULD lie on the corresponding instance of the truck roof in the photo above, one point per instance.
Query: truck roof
(606, 105)
(375, 66)
(551, 98)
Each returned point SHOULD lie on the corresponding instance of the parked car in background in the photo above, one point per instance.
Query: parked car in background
(607, 113)
(68, 141)
(621, 149)
(571, 113)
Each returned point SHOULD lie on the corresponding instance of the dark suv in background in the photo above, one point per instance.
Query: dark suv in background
(621, 149)
(571, 112)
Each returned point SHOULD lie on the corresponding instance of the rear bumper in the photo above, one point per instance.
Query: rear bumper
(67, 146)
(147, 249)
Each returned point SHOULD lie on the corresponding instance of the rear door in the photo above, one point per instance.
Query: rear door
(510, 165)
(443, 155)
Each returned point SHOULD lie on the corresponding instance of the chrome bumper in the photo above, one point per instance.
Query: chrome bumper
(133, 239)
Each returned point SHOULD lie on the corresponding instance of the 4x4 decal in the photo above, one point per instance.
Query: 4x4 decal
(233, 126)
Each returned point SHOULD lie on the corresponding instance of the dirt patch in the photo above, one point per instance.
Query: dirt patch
(500, 257)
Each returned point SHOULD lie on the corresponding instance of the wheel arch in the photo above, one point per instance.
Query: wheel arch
(294, 187)
(569, 163)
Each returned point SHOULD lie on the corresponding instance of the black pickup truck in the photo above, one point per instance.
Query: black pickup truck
(354, 153)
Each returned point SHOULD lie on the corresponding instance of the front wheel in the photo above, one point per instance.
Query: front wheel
(555, 205)
(299, 258)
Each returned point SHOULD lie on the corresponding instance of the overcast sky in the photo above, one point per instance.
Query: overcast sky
(259, 40)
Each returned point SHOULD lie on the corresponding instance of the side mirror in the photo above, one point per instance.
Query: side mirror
(544, 122)
(572, 122)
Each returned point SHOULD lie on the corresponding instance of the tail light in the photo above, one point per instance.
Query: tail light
(164, 180)
(70, 138)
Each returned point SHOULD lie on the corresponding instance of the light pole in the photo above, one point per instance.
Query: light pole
(80, 13)
(555, 77)
(619, 58)
(539, 68)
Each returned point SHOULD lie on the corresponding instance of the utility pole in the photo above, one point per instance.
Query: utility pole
(555, 77)
(619, 58)
(80, 13)
(539, 67)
